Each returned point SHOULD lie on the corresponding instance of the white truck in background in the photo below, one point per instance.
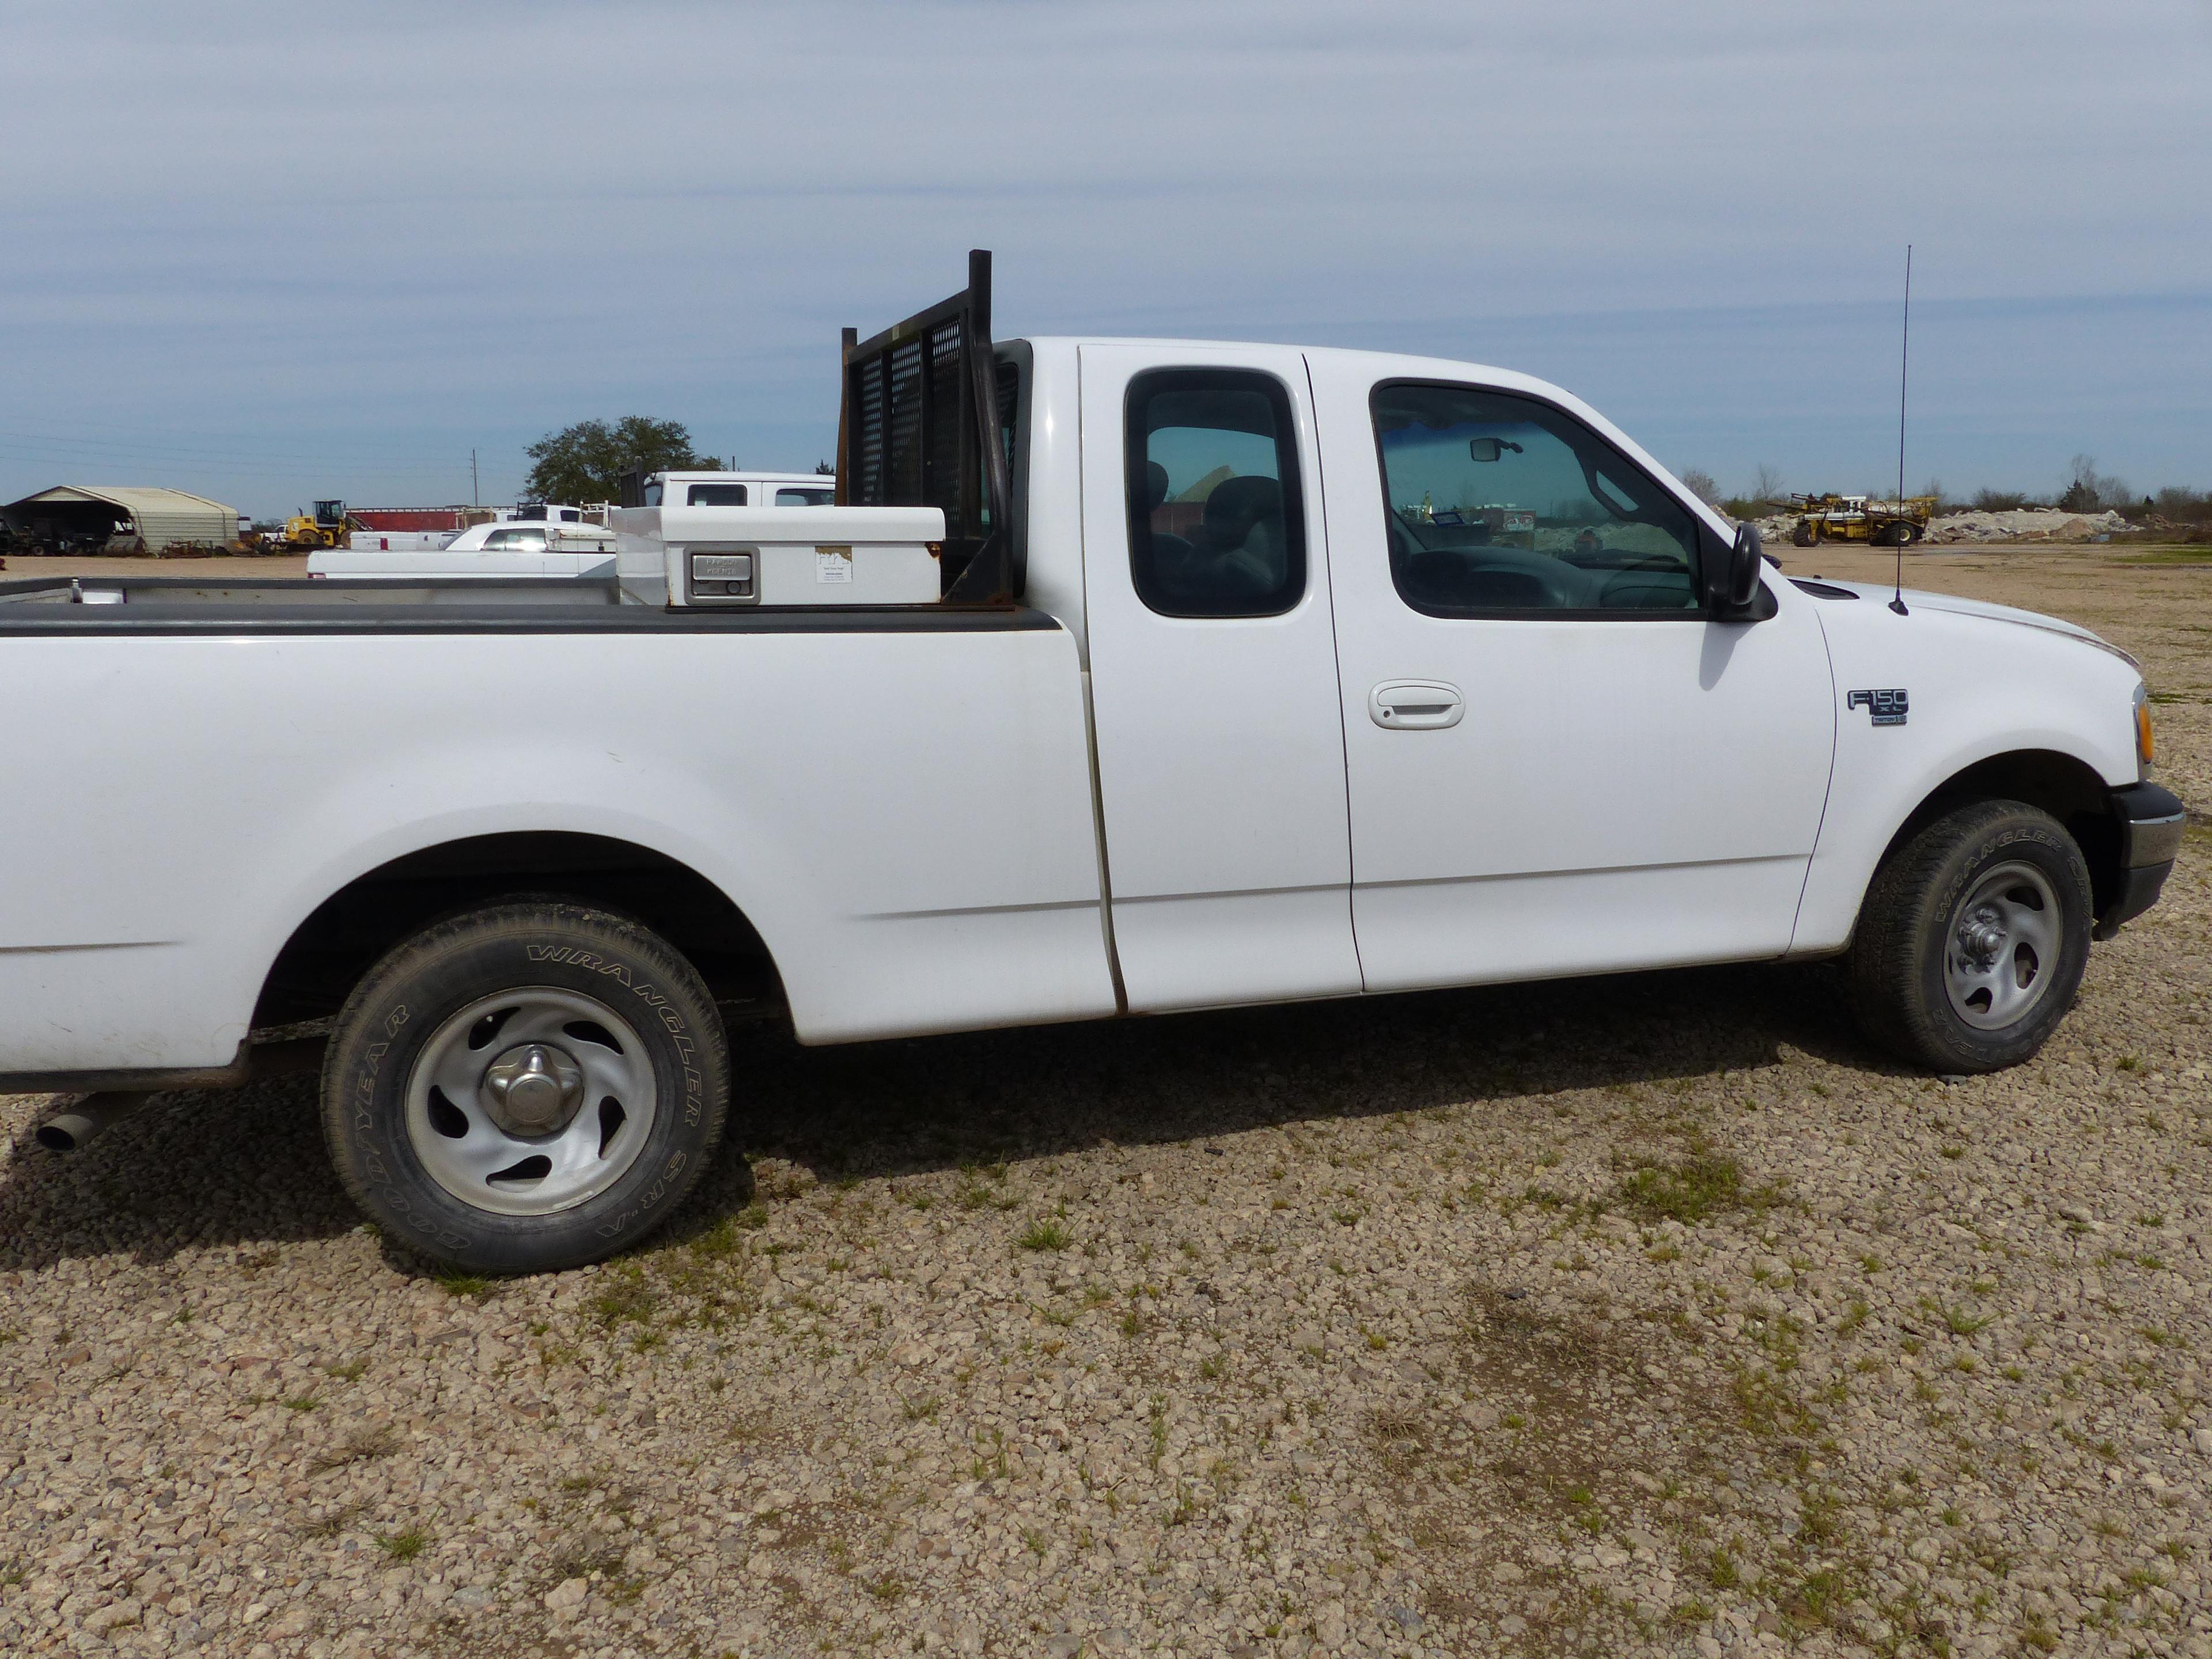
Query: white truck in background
(1160, 676)
(738, 488)
(536, 540)
(557, 541)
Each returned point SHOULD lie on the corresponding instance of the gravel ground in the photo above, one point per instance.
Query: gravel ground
(1641, 1315)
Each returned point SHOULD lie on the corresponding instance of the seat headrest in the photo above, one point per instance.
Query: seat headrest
(1237, 504)
(1156, 484)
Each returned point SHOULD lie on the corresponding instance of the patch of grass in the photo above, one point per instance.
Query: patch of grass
(1046, 1235)
(403, 1546)
(474, 1287)
(1960, 1322)
(628, 1301)
(358, 1447)
(331, 1522)
(300, 1402)
(1692, 1190)
(351, 1371)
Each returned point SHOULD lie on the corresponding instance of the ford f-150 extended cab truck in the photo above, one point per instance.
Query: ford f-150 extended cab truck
(1227, 674)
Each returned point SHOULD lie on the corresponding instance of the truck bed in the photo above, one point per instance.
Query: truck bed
(460, 605)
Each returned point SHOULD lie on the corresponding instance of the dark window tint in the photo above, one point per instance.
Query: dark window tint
(1499, 505)
(1217, 527)
(807, 497)
(715, 496)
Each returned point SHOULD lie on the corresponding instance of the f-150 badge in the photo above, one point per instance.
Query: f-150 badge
(1883, 708)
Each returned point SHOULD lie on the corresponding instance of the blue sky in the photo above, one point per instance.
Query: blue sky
(270, 253)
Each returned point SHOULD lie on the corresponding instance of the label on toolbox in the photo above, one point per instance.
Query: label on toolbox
(833, 564)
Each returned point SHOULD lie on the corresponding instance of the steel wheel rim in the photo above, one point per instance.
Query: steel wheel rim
(2002, 945)
(473, 1144)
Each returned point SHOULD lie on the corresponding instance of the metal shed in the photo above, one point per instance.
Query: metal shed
(116, 519)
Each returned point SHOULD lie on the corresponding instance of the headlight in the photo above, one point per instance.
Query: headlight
(2146, 746)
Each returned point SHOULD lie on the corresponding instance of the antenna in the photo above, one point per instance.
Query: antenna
(1904, 359)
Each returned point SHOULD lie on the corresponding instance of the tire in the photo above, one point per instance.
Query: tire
(1801, 534)
(1970, 944)
(526, 1087)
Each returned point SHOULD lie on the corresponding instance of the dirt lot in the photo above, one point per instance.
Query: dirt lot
(1625, 1316)
(262, 567)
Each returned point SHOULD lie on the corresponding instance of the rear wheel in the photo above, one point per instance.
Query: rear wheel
(526, 1087)
(1972, 940)
(1802, 535)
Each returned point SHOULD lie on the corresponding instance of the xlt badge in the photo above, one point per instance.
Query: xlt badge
(1883, 708)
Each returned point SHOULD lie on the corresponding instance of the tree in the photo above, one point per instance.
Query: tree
(584, 462)
(1701, 485)
(2088, 489)
(1767, 486)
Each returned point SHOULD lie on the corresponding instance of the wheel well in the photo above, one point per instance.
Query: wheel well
(2067, 789)
(329, 951)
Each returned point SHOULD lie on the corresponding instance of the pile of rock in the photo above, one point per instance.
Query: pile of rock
(2027, 524)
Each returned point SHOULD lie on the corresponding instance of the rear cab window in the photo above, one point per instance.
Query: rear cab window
(715, 494)
(1500, 505)
(1217, 525)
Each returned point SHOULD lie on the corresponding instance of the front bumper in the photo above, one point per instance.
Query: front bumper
(2152, 822)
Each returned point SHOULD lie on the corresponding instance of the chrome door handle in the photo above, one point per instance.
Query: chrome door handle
(1415, 705)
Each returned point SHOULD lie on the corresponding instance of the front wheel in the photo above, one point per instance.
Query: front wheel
(1972, 940)
(526, 1087)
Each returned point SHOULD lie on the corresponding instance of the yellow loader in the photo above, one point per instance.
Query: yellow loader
(1857, 519)
(329, 527)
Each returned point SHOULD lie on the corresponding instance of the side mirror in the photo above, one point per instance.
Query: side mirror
(1729, 591)
(1489, 449)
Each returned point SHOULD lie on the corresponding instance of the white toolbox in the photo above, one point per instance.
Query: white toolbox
(706, 557)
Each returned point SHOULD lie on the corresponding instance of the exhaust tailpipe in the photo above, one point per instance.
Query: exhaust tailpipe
(69, 1130)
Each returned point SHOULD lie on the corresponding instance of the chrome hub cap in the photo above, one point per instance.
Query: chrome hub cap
(532, 1090)
(2002, 947)
(531, 1102)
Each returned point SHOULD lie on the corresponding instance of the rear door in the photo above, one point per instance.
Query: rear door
(1213, 677)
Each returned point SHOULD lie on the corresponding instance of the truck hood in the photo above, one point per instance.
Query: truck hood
(1917, 600)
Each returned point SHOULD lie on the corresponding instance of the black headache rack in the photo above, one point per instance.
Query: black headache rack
(925, 421)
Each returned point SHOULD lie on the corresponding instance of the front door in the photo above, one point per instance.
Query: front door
(1559, 763)
(1212, 663)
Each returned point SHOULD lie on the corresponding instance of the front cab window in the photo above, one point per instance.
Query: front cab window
(1501, 505)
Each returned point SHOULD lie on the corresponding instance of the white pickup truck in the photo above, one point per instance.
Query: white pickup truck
(1252, 674)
